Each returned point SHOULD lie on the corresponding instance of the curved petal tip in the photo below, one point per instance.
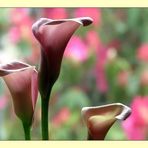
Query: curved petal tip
(122, 115)
(85, 21)
(126, 112)
(12, 67)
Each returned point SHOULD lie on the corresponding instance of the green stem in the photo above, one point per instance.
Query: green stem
(26, 131)
(44, 119)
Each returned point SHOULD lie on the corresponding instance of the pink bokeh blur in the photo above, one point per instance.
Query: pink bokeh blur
(136, 126)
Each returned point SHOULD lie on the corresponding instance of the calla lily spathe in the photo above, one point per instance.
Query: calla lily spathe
(100, 119)
(53, 36)
(21, 80)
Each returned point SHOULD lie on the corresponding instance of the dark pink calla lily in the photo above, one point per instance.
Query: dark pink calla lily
(100, 119)
(53, 36)
(21, 80)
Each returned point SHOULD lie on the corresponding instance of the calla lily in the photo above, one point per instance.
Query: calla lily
(100, 119)
(53, 36)
(21, 80)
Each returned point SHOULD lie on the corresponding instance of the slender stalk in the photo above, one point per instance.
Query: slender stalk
(44, 118)
(26, 131)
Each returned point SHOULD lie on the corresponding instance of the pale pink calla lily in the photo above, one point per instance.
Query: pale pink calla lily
(53, 36)
(21, 80)
(100, 119)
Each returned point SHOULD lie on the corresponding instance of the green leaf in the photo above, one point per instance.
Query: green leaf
(74, 99)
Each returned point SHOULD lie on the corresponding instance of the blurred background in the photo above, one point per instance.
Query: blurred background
(105, 62)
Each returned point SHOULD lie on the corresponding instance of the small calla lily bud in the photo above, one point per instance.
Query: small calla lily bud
(100, 119)
(21, 80)
(53, 36)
